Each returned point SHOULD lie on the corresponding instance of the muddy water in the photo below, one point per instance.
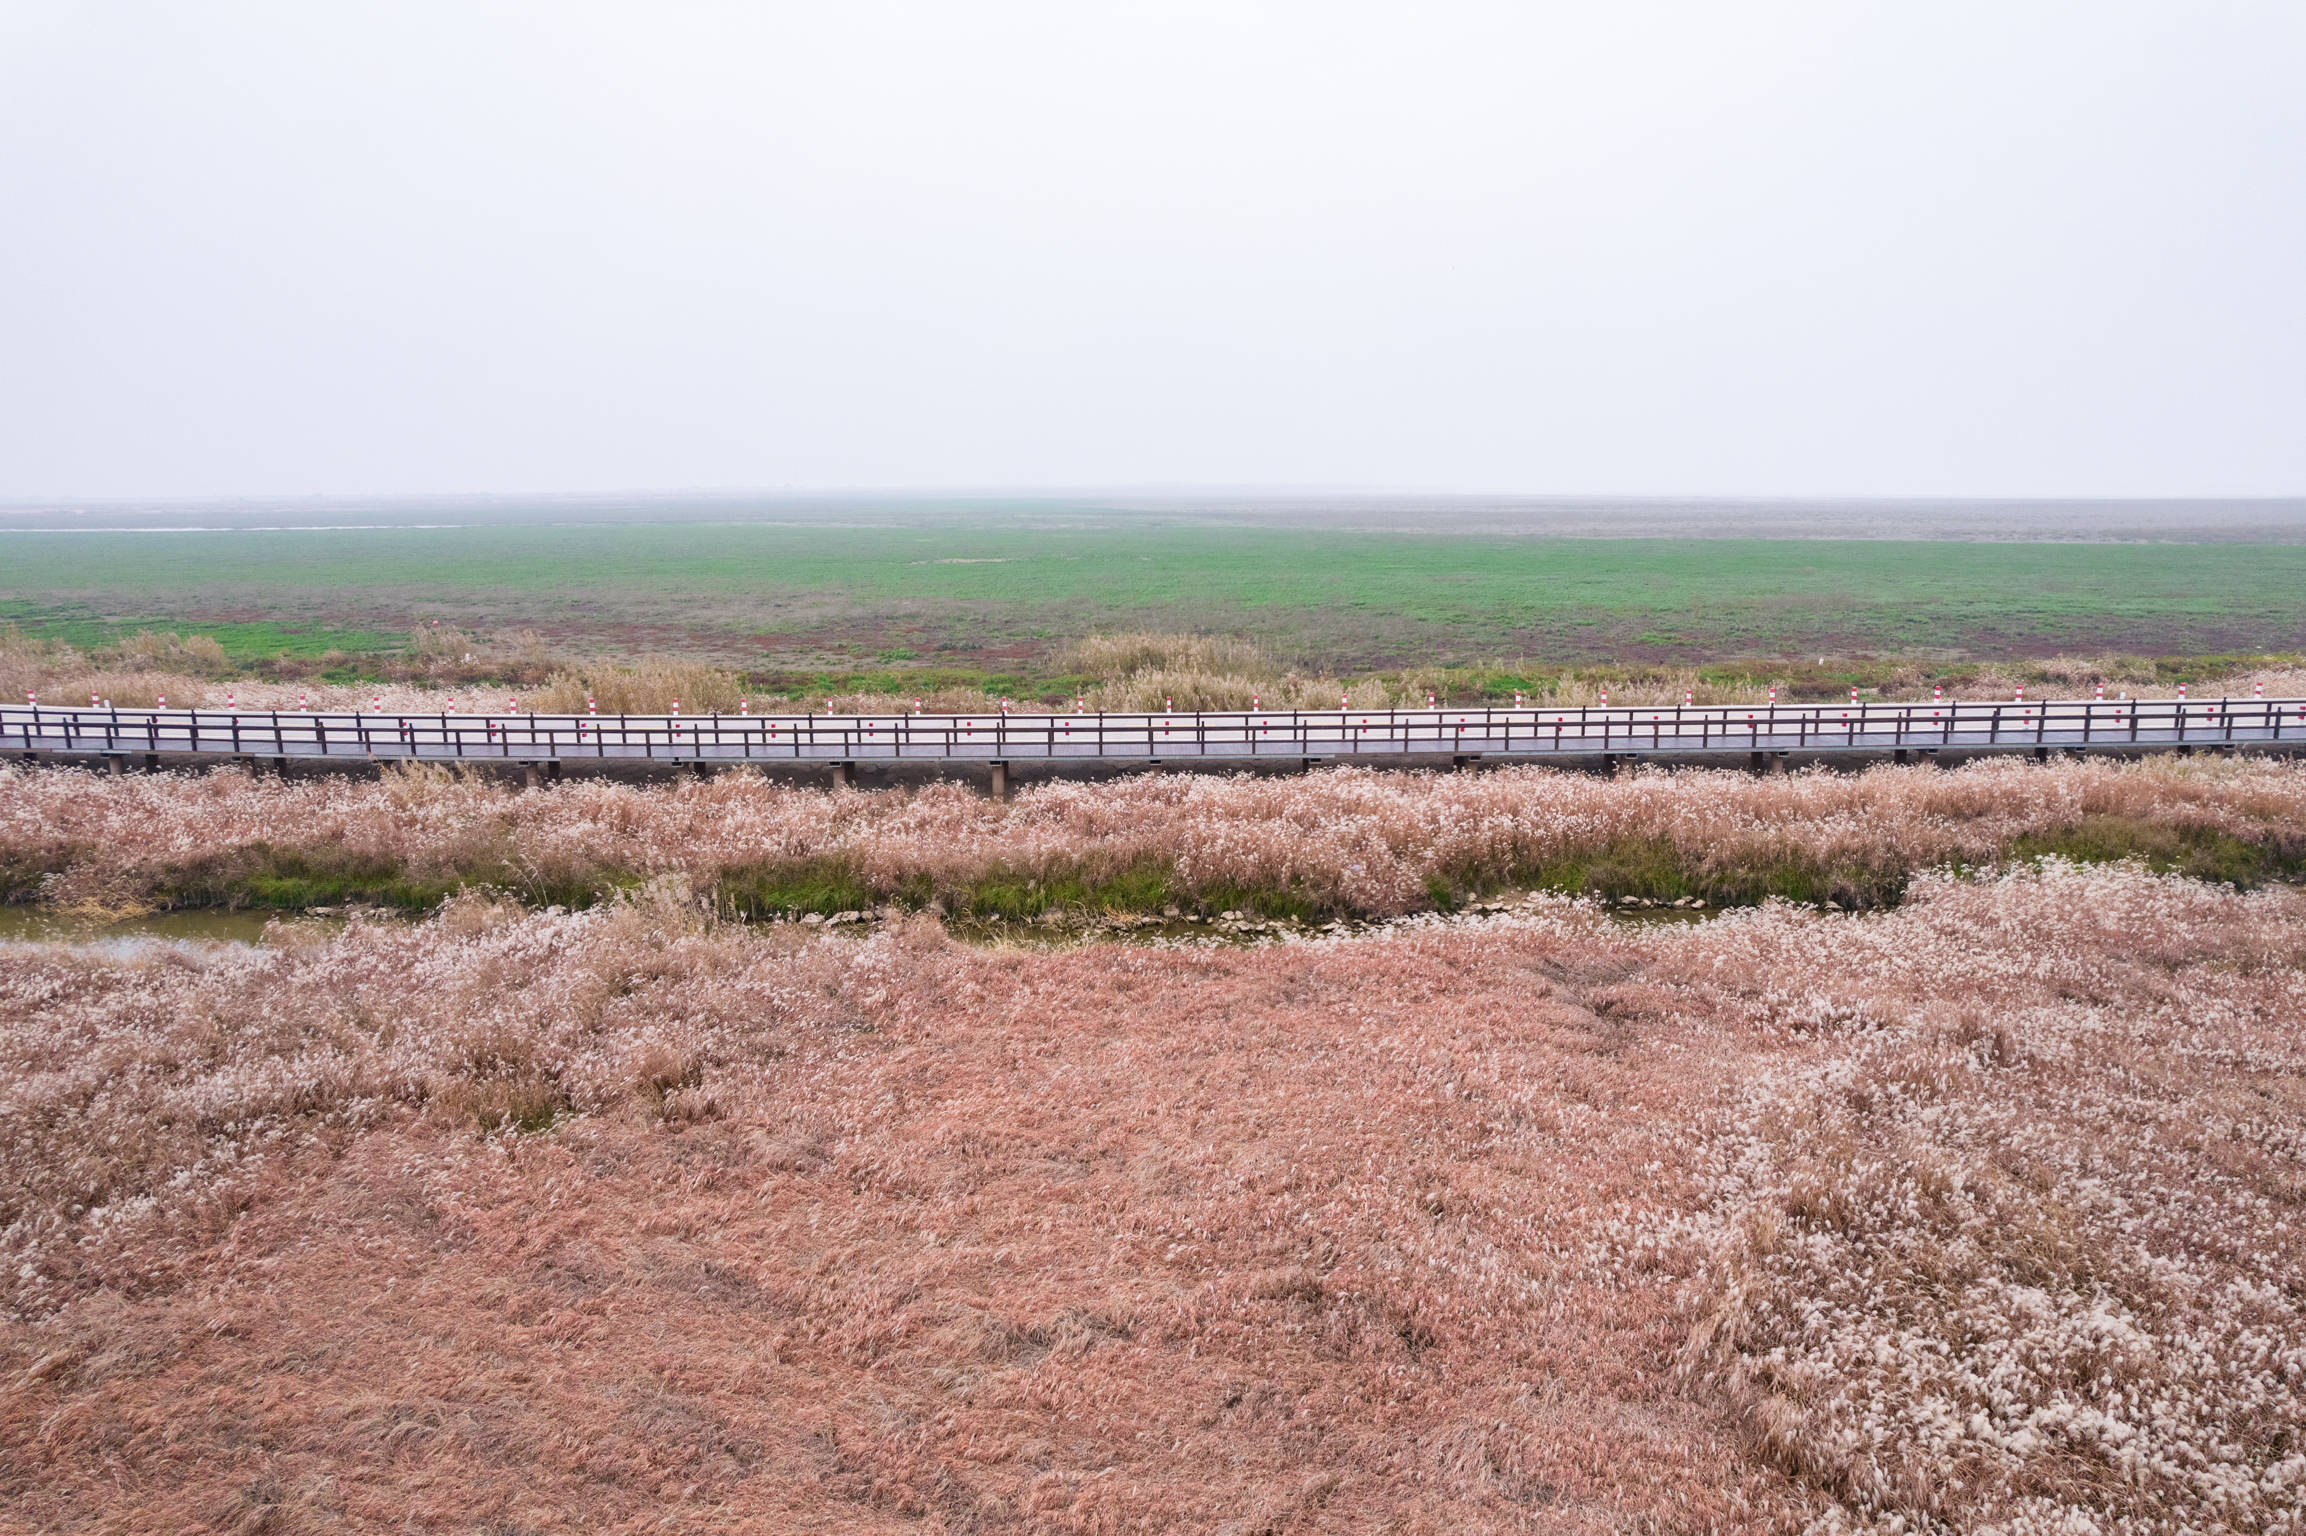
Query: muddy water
(42, 925)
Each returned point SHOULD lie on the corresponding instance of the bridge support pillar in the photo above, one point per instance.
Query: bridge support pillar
(844, 775)
(531, 776)
(1465, 760)
(118, 765)
(1000, 781)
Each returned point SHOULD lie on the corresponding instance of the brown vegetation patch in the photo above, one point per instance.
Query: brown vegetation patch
(1345, 841)
(1543, 1223)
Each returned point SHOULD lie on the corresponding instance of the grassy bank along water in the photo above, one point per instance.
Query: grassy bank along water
(1345, 843)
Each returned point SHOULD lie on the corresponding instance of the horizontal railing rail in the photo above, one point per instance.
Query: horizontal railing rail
(2105, 725)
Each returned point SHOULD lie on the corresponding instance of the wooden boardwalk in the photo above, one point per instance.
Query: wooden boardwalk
(1233, 736)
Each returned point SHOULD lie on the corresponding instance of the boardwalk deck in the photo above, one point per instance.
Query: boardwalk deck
(1088, 739)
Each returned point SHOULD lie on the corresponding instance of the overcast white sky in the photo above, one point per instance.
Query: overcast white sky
(1918, 248)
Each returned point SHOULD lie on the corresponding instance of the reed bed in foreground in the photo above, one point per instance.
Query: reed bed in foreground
(1979, 1215)
(1340, 841)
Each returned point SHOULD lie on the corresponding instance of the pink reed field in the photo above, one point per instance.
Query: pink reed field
(1341, 841)
(1984, 1210)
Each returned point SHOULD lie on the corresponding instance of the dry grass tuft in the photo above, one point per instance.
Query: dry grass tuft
(1114, 657)
(650, 686)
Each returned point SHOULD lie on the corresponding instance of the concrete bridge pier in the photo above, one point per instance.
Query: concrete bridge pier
(844, 775)
(1000, 781)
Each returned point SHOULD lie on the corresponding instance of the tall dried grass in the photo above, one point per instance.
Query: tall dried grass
(1344, 840)
(1115, 656)
(2017, 1249)
(1978, 1215)
(650, 686)
(443, 667)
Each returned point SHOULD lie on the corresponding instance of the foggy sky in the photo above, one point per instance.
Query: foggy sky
(2004, 248)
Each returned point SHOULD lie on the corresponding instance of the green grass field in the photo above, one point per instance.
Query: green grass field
(780, 594)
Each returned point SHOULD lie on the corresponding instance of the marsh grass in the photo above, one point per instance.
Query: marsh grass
(1341, 843)
(1974, 1215)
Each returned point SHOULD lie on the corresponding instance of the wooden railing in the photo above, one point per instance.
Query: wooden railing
(1093, 737)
